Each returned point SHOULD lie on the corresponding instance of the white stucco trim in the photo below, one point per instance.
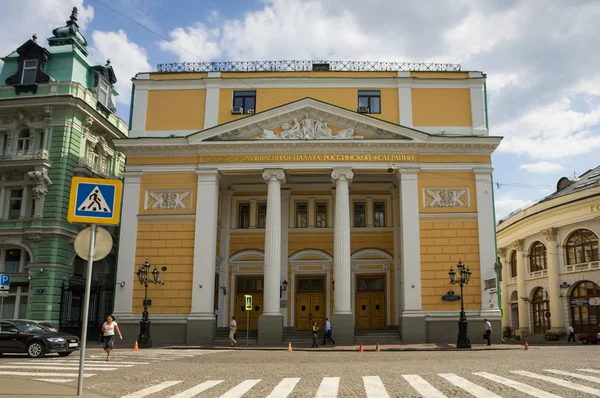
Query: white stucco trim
(478, 109)
(410, 239)
(485, 221)
(140, 107)
(136, 133)
(447, 130)
(405, 102)
(211, 108)
(127, 243)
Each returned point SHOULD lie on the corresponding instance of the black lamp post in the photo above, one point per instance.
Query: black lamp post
(283, 288)
(464, 274)
(146, 277)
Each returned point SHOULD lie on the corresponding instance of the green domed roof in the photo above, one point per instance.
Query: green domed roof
(69, 34)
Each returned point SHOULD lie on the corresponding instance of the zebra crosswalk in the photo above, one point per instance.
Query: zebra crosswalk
(64, 370)
(442, 385)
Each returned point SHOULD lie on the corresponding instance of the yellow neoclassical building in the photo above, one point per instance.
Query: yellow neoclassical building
(331, 189)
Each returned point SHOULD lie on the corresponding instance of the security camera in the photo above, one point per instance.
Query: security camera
(390, 168)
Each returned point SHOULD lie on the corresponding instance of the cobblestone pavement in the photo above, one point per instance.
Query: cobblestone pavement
(539, 372)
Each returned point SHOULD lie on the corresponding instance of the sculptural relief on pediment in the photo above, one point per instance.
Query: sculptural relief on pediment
(308, 129)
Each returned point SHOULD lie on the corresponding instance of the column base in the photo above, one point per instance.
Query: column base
(463, 340)
(200, 331)
(270, 329)
(412, 329)
(342, 329)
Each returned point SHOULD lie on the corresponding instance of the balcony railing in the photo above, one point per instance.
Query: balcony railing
(98, 169)
(29, 155)
(590, 266)
(538, 274)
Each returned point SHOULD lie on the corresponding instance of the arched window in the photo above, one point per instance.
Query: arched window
(513, 264)
(582, 247)
(537, 257)
(585, 311)
(23, 141)
(540, 305)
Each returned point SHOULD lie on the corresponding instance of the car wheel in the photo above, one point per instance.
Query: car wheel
(584, 341)
(65, 354)
(36, 349)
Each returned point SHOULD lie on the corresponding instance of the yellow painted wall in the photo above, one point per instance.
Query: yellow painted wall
(175, 110)
(441, 107)
(440, 180)
(178, 76)
(174, 182)
(309, 74)
(373, 238)
(245, 241)
(268, 98)
(443, 243)
(440, 75)
(299, 240)
(168, 243)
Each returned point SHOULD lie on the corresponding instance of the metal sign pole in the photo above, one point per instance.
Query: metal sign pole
(247, 325)
(1, 307)
(86, 305)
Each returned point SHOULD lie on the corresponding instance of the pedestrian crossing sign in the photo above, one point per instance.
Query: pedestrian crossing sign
(95, 201)
(248, 302)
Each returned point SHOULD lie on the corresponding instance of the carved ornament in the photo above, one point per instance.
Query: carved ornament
(168, 200)
(4, 238)
(274, 175)
(502, 252)
(519, 245)
(42, 182)
(550, 234)
(337, 175)
(308, 129)
(446, 197)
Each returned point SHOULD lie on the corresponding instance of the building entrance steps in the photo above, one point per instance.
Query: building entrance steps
(383, 336)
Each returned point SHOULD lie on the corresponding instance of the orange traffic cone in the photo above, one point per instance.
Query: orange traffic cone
(377, 348)
(135, 346)
(360, 348)
(526, 346)
(289, 346)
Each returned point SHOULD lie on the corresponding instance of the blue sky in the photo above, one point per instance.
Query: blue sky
(543, 72)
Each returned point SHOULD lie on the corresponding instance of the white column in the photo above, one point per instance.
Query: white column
(342, 295)
(556, 313)
(127, 243)
(522, 289)
(285, 209)
(211, 107)
(397, 252)
(410, 238)
(478, 109)
(252, 213)
(311, 213)
(487, 232)
(502, 254)
(25, 201)
(205, 243)
(272, 267)
(405, 99)
(223, 271)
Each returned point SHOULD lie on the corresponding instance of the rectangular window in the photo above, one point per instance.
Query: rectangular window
(379, 209)
(244, 215)
(12, 260)
(16, 200)
(4, 143)
(262, 215)
(301, 215)
(370, 99)
(29, 71)
(321, 215)
(359, 214)
(41, 137)
(23, 142)
(246, 100)
(103, 92)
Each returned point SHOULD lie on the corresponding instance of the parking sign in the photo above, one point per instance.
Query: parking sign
(4, 281)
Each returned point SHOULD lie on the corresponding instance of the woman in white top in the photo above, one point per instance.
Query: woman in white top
(108, 331)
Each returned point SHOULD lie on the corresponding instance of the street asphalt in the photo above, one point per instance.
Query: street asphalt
(543, 371)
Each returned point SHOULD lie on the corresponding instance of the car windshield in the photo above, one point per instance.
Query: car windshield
(31, 327)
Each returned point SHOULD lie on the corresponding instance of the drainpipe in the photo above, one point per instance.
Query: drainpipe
(498, 285)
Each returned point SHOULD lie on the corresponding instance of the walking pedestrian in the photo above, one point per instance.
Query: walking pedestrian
(108, 335)
(488, 331)
(327, 334)
(232, 329)
(315, 330)
(571, 334)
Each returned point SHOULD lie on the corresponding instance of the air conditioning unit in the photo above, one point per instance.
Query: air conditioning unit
(237, 110)
(363, 109)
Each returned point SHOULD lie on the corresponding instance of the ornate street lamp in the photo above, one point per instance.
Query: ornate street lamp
(464, 275)
(146, 277)
(283, 288)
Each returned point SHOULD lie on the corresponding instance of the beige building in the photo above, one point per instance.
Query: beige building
(551, 276)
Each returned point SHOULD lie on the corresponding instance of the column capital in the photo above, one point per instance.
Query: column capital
(483, 173)
(341, 174)
(408, 173)
(285, 194)
(550, 234)
(501, 252)
(208, 175)
(274, 175)
(519, 245)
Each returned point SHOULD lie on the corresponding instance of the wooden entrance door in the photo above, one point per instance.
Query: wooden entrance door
(370, 307)
(540, 306)
(241, 313)
(310, 302)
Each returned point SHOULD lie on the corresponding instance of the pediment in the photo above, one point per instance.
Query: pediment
(308, 120)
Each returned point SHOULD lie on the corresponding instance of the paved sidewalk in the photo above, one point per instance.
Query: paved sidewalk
(16, 387)
(341, 348)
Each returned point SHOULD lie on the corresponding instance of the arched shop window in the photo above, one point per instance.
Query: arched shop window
(13, 260)
(585, 307)
(513, 264)
(582, 247)
(537, 257)
(540, 306)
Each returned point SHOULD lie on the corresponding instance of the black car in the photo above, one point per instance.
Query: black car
(17, 336)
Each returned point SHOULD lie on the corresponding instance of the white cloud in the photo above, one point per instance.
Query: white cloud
(542, 167)
(127, 59)
(507, 205)
(21, 19)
